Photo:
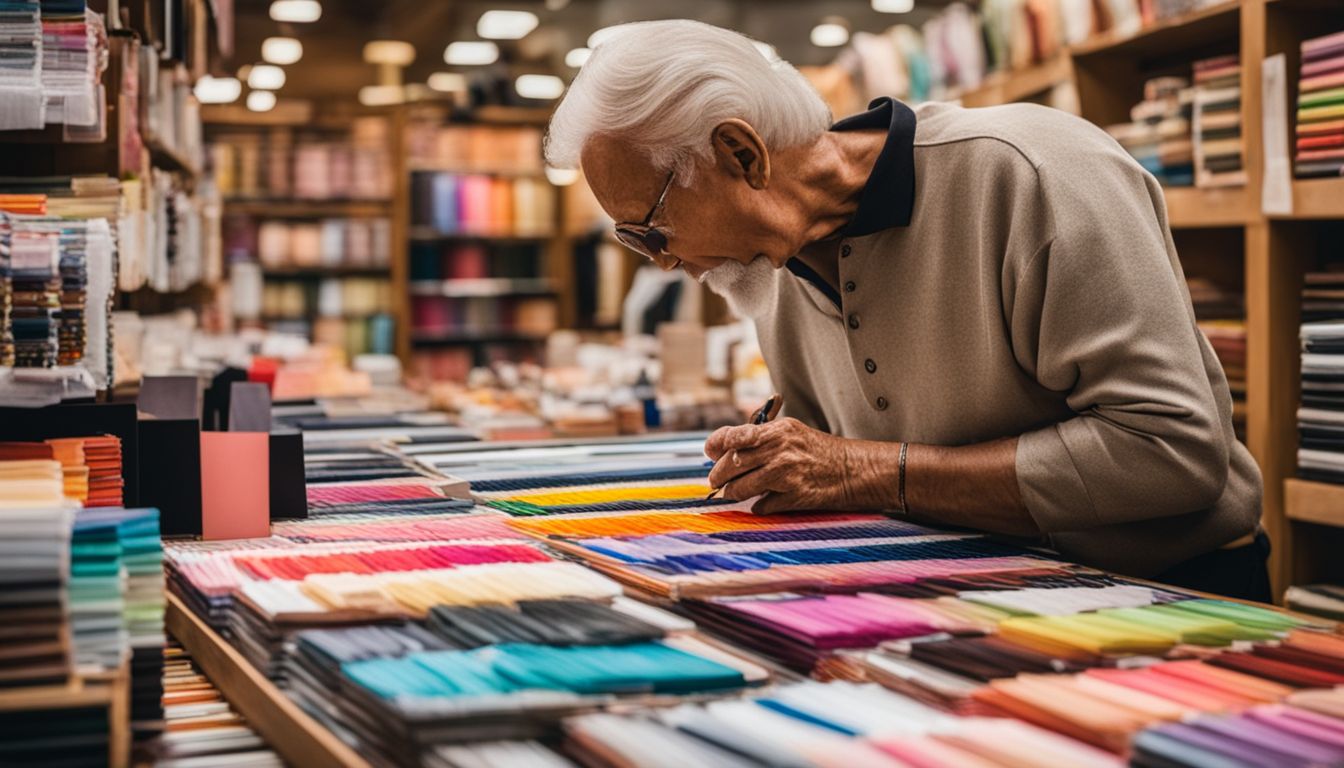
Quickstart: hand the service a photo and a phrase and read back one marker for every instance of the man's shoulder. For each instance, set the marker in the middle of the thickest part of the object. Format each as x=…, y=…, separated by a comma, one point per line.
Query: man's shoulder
x=1030, y=131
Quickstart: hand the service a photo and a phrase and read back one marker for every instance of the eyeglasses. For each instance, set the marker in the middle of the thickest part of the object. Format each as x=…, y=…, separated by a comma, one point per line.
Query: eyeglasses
x=647, y=240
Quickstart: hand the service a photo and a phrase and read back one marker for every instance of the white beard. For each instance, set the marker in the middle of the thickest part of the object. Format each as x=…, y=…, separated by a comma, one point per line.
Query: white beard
x=750, y=289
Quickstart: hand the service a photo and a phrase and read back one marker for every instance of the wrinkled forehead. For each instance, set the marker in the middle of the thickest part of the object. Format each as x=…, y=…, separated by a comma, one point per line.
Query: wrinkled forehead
x=622, y=178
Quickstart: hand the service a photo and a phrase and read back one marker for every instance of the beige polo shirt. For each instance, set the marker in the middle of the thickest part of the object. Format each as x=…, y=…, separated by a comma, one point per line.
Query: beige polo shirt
x=1035, y=293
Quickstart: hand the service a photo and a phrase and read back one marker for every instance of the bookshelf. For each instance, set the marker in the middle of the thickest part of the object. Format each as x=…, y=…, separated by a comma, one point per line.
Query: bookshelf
x=307, y=198
x=1223, y=232
x=110, y=692
x=484, y=261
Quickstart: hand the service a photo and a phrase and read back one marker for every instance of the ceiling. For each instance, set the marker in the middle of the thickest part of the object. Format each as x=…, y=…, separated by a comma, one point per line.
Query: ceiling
x=332, y=67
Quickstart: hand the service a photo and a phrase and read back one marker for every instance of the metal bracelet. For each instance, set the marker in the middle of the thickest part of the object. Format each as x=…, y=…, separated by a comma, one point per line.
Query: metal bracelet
x=900, y=488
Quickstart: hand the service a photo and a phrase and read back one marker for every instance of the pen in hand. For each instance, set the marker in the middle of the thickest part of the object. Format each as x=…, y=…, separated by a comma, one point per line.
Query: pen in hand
x=766, y=413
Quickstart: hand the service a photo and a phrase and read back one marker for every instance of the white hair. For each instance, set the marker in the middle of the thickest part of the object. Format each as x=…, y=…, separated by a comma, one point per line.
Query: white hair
x=664, y=85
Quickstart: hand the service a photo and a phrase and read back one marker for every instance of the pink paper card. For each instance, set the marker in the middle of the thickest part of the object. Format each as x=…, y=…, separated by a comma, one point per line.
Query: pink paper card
x=235, y=485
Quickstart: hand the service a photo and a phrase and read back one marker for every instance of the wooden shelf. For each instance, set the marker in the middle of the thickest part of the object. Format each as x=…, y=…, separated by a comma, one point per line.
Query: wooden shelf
x=309, y=209
x=431, y=235
x=295, y=273
x=1198, y=207
x=110, y=690
x=1317, y=199
x=483, y=288
x=469, y=338
x=164, y=156
x=429, y=166
x=290, y=731
x=1312, y=502
x=1017, y=85
x=1172, y=35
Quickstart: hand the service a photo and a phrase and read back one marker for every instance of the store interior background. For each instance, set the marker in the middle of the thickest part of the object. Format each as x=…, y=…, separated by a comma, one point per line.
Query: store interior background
x=381, y=193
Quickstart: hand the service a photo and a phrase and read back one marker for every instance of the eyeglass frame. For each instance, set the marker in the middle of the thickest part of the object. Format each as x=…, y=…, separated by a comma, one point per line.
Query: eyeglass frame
x=636, y=236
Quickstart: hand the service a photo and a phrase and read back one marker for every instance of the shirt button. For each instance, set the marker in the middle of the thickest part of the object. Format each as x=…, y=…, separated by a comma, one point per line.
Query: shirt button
x=850, y=286
x=881, y=404
x=844, y=250
x=870, y=366
x=854, y=321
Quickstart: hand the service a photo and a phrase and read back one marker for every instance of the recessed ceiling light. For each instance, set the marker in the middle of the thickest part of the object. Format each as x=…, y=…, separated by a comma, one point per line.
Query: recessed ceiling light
x=506, y=25
x=829, y=34
x=539, y=86
x=893, y=6
x=381, y=95
x=578, y=57
x=281, y=50
x=261, y=101
x=562, y=177
x=265, y=77
x=218, y=90
x=396, y=52
x=297, y=11
x=448, y=82
x=471, y=53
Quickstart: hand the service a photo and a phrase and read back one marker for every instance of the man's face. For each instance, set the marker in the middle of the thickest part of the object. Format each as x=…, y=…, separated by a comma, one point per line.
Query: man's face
x=719, y=218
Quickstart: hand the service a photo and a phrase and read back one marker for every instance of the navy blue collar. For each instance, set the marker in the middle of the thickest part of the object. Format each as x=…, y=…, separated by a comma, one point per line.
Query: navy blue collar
x=888, y=199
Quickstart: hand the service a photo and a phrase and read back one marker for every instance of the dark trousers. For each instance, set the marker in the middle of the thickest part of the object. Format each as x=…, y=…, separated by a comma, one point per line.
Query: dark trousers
x=1241, y=572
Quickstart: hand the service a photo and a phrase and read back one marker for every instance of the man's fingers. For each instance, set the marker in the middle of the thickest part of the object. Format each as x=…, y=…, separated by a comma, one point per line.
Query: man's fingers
x=727, y=439
x=771, y=503
x=736, y=463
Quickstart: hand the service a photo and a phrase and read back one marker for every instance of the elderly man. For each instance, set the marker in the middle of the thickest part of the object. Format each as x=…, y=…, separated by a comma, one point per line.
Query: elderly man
x=976, y=317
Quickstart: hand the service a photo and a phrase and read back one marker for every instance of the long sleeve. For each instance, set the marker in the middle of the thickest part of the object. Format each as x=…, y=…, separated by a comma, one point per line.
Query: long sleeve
x=1101, y=313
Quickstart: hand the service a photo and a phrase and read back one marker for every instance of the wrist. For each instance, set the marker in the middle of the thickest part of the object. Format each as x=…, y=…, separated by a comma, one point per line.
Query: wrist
x=873, y=475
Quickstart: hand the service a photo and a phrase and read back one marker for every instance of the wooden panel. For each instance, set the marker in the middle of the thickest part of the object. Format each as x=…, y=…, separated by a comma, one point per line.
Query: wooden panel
x=294, y=735
x=1314, y=502
x=400, y=247
x=1178, y=33
x=1194, y=208
x=1275, y=257
x=1318, y=199
x=1019, y=85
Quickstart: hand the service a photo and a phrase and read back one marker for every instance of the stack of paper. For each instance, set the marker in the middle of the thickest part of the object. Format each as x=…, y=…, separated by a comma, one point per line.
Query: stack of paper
x=1159, y=136
x=21, y=102
x=35, y=526
x=1320, y=420
x=1320, y=108
x=1219, y=151
x=74, y=54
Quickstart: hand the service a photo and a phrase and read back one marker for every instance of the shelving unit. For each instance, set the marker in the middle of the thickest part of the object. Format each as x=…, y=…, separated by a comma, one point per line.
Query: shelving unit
x=110, y=691
x=253, y=201
x=483, y=283
x=1305, y=520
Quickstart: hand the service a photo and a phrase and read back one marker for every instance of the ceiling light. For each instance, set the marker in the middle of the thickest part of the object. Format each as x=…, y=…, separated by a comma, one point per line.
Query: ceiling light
x=767, y=50
x=265, y=77
x=829, y=34
x=602, y=35
x=381, y=95
x=394, y=52
x=578, y=57
x=893, y=6
x=281, y=50
x=539, y=86
x=299, y=11
x=506, y=25
x=218, y=90
x=471, y=53
x=562, y=177
x=261, y=101
x=448, y=82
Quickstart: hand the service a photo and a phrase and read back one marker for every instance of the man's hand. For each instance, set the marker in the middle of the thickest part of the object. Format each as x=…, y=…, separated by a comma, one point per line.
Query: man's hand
x=794, y=467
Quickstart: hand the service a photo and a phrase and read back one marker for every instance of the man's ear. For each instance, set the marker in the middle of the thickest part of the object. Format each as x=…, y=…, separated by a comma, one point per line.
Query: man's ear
x=740, y=152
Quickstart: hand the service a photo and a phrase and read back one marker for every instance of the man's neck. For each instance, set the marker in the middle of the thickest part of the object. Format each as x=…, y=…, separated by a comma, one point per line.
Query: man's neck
x=827, y=179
